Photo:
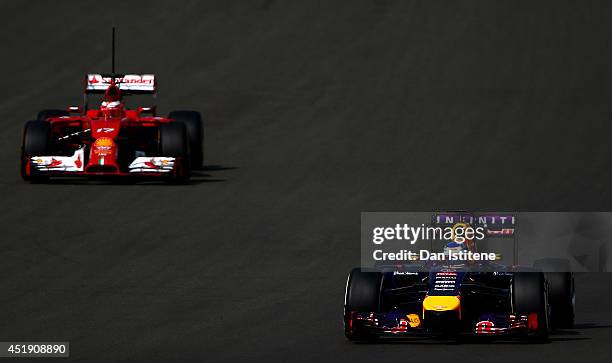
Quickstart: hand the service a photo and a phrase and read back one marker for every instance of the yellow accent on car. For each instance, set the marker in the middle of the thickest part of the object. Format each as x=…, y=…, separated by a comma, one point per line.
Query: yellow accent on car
x=413, y=320
x=441, y=303
x=104, y=141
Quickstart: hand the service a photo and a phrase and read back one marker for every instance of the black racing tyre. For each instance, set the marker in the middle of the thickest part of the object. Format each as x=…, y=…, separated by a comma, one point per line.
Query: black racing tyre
x=362, y=295
x=173, y=142
x=529, y=296
x=35, y=142
x=561, y=293
x=46, y=114
x=195, y=132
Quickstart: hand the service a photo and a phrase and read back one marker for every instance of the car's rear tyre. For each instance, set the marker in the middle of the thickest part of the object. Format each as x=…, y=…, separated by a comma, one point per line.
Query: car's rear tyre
x=529, y=296
x=561, y=293
x=173, y=142
x=195, y=133
x=44, y=115
x=362, y=295
x=35, y=142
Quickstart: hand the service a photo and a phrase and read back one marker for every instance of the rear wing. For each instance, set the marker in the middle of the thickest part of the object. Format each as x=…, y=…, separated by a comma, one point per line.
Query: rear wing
x=501, y=226
x=494, y=224
x=127, y=83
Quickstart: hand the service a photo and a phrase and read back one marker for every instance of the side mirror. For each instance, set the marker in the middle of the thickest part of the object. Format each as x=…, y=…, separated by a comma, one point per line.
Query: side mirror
x=147, y=110
x=75, y=109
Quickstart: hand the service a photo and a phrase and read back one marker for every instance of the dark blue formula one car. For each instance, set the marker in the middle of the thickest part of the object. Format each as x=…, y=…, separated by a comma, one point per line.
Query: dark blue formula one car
x=459, y=299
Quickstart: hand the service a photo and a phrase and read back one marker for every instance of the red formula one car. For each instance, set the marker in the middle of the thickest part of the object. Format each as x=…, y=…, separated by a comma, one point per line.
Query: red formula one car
x=113, y=140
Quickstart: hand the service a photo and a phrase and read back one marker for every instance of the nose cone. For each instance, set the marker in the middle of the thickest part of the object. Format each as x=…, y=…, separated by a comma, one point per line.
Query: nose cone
x=442, y=314
x=441, y=303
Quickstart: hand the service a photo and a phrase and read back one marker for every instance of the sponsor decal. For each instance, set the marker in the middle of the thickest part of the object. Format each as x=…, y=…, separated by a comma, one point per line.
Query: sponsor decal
x=405, y=273
x=501, y=232
x=499, y=224
x=78, y=163
x=103, y=146
x=54, y=163
x=445, y=281
x=413, y=320
x=403, y=324
x=103, y=142
x=484, y=219
x=486, y=324
x=59, y=163
x=152, y=164
x=129, y=79
x=129, y=82
x=485, y=327
x=106, y=130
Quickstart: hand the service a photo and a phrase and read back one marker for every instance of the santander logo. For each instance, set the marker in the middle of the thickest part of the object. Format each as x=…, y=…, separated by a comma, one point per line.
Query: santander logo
x=129, y=79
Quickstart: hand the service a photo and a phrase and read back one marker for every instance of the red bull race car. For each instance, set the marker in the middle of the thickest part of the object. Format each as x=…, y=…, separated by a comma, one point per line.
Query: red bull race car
x=458, y=299
x=113, y=140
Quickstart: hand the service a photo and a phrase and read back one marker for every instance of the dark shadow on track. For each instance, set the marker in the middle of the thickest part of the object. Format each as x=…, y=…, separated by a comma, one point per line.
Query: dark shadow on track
x=591, y=326
x=197, y=177
x=218, y=167
x=471, y=341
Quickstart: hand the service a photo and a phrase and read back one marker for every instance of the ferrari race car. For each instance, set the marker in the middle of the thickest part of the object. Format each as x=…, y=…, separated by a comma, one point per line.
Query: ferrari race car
x=112, y=139
x=457, y=300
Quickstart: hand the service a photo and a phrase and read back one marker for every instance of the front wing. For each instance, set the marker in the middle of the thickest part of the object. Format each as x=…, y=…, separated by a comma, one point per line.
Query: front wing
x=149, y=166
x=396, y=323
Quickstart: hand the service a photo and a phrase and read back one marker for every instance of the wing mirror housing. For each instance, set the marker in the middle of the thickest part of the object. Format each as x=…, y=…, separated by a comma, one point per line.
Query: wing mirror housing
x=75, y=109
x=152, y=110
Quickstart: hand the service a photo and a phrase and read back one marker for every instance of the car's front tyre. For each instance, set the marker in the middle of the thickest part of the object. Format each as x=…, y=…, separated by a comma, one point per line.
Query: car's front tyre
x=362, y=295
x=173, y=142
x=44, y=115
x=195, y=134
x=530, y=298
x=561, y=293
x=35, y=142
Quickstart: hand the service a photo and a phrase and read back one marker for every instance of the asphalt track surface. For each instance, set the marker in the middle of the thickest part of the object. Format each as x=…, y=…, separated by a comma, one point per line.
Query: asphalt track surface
x=315, y=111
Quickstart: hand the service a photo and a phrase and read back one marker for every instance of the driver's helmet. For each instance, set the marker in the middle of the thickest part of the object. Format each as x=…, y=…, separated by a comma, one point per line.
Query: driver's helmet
x=112, y=105
x=459, y=242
